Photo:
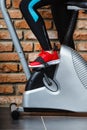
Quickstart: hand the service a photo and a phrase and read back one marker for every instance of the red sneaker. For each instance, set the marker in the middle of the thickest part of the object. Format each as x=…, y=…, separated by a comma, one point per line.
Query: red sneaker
x=45, y=58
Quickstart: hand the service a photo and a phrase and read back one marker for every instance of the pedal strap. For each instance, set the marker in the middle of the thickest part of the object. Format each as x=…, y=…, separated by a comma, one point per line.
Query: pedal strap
x=41, y=60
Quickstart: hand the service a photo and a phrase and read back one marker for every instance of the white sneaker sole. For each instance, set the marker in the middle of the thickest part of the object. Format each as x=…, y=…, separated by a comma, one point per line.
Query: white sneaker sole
x=53, y=62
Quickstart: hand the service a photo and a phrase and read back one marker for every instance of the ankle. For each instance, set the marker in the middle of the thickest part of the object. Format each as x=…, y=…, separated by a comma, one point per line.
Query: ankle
x=50, y=51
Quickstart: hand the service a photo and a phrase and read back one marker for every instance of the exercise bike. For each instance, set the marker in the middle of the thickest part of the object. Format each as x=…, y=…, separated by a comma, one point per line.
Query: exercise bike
x=57, y=87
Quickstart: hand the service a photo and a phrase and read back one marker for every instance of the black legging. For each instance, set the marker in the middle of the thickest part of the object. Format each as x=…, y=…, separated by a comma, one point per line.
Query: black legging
x=61, y=17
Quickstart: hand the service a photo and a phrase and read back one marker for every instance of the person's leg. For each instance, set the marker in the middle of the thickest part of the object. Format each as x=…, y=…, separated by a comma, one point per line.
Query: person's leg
x=35, y=21
x=62, y=18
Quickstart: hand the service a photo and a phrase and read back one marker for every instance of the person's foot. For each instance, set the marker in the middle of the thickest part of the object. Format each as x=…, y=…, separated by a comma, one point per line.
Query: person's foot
x=44, y=59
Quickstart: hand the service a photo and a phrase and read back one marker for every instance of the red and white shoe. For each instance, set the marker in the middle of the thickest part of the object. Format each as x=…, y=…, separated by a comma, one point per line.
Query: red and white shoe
x=44, y=59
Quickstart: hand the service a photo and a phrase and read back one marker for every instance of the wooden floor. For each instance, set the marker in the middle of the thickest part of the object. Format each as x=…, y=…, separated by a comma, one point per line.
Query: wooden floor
x=34, y=121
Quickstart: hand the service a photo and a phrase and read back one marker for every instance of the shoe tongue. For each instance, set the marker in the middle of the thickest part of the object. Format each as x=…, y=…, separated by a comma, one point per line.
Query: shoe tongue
x=42, y=53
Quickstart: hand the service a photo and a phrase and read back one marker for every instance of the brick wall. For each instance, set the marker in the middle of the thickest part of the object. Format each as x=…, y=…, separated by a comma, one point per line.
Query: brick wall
x=12, y=78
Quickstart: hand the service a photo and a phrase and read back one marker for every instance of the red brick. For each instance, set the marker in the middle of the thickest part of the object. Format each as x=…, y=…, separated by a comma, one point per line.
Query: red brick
x=37, y=46
x=46, y=14
x=8, y=67
x=27, y=46
x=21, y=24
x=6, y=89
x=1, y=14
x=12, y=78
x=20, y=68
x=6, y=46
x=48, y=24
x=16, y=3
x=10, y=99
x=32, y=56
x=15, y=13
x=5, y=35
x=20, y=89
x=80, y=35
x=9, y=57
x=82, y=15
x=52, y=34
x=2, y=24
x=28, y=35
x=8, y=3
x=82, y=24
